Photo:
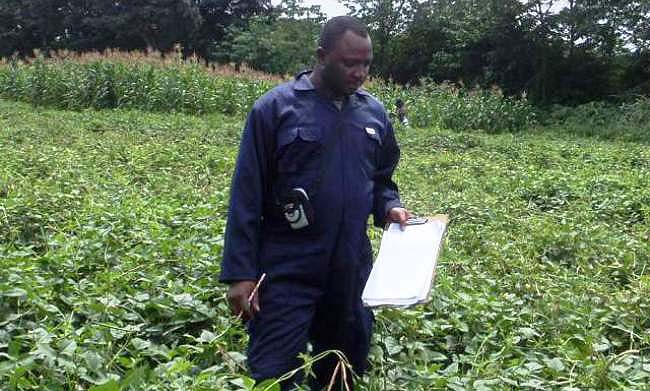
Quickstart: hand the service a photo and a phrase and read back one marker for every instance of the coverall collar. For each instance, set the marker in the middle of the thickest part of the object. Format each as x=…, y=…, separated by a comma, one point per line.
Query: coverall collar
x=303, y=83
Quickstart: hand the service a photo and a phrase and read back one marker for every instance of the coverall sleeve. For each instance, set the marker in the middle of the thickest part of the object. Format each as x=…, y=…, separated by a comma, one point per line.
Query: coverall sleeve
x=386, y=195
x=247, y=192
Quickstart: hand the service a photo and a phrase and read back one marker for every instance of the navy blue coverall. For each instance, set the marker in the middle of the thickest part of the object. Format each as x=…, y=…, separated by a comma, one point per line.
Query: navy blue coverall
x=315, y=275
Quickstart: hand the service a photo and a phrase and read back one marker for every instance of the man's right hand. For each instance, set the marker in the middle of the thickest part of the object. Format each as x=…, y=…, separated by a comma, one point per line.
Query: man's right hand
x=238, y=296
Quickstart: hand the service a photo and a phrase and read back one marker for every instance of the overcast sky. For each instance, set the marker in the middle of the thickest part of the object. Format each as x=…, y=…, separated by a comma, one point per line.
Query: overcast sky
x=334, y=8
x=331, y=8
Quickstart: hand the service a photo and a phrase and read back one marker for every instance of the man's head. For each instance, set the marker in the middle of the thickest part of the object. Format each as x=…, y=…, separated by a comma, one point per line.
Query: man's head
x=344, y=55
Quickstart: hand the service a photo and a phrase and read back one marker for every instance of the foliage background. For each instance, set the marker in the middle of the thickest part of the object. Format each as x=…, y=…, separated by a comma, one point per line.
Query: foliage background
x=116, y=169
x=112, y=211
x=111, y=232
x=567, y=52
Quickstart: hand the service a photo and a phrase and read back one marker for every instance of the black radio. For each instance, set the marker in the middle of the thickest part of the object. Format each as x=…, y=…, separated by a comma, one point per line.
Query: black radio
x=297, y=208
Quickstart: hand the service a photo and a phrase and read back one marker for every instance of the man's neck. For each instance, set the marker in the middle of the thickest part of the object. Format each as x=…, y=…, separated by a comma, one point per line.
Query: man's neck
x=316, y=78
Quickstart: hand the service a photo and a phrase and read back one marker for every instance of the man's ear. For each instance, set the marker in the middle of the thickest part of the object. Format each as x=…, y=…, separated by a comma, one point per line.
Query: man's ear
x=321, y=54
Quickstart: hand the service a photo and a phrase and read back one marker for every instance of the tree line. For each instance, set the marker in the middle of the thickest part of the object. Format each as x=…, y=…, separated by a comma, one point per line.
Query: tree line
x=553, y=51
x=84, y=25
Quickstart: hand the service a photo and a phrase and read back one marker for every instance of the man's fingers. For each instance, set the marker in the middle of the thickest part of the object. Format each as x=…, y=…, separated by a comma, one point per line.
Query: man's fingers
x=244, y=309
x=256, y=302
x=233, y=303
x=403, y=217
x=248, y=311
x=399, y=215
x=238, y=296
x=237, y=309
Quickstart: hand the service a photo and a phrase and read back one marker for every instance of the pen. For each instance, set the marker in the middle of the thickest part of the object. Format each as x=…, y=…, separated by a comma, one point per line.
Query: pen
x=256, y=288
x=252, y=295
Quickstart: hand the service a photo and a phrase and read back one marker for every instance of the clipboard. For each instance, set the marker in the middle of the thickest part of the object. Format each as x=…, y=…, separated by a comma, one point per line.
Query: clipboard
x=405, y=269
x=417, y=220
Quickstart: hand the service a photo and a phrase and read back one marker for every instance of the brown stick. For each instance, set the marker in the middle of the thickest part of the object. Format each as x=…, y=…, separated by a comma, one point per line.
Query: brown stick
x=344, y=369
x=336, y=370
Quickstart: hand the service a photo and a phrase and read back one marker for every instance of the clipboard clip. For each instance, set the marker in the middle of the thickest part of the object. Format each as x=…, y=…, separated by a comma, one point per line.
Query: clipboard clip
x=416, y=221
x=411, y=221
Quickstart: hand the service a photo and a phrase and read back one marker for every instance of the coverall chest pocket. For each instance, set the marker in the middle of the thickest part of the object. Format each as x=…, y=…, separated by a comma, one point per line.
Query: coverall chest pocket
x=299, y=149
x=369, y=147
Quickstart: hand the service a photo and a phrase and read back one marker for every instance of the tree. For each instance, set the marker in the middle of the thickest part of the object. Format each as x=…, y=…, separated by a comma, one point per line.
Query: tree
x=30, y=24
x=10, y=28
x=413, y=50
x=386, y=19
x=157, y=24
x=633, y=21
x=487, y=43
x=124, y=24
x=579, y=49
x=281, y=42
x=219, y=15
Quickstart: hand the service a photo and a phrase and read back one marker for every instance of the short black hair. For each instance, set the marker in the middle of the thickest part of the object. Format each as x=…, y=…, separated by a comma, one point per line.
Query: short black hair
x=334, y=29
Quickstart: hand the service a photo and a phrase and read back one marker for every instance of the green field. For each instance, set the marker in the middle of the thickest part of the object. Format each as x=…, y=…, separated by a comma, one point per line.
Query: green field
x=111, y=231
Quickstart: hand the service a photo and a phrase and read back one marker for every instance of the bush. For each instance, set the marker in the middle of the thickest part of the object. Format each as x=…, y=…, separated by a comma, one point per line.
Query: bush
x=628, y=121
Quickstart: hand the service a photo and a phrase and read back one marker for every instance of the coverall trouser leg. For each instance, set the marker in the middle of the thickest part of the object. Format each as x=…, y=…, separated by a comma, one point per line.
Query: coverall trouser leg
x=327, y=312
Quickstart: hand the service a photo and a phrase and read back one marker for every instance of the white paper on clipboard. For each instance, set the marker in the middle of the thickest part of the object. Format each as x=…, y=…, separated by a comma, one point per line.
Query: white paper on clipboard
x=405, y=267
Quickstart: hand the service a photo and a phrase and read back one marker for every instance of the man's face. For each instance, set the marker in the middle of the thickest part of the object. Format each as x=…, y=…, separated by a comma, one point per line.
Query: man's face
x=345, y=67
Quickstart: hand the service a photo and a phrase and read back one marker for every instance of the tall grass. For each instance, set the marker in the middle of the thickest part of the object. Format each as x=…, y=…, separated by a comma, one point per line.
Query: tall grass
x=452, y=107
x=629, y=121
x=150, y=82
x=153, y=81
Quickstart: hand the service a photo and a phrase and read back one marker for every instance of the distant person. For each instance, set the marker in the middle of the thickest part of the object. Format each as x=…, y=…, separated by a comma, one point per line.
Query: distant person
x=400, y=112
x=316, y=158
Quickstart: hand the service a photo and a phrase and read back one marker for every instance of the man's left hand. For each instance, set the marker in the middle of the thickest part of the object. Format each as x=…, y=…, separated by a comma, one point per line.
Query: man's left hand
x=399, y=215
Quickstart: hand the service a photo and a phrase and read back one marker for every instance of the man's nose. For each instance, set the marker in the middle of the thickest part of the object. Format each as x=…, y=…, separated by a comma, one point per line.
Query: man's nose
x=360, y=71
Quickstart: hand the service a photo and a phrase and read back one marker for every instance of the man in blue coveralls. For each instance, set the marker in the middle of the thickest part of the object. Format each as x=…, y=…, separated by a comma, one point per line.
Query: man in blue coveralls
x=316, y=159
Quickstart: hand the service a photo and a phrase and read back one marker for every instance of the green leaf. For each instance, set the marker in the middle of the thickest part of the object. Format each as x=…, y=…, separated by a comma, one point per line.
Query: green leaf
x=110, y=385
x=69, y=349
x=533, y=366
x=451, y=369
x=392, y=345
x=207, y=336
x=134, y=377
x=436, y=356
x=555, y=364
x=15, y=292
x=527, y=332
x=140, y=344
x=267, y=385
x=45, y=351
x=93, y=360
x=237, y=356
